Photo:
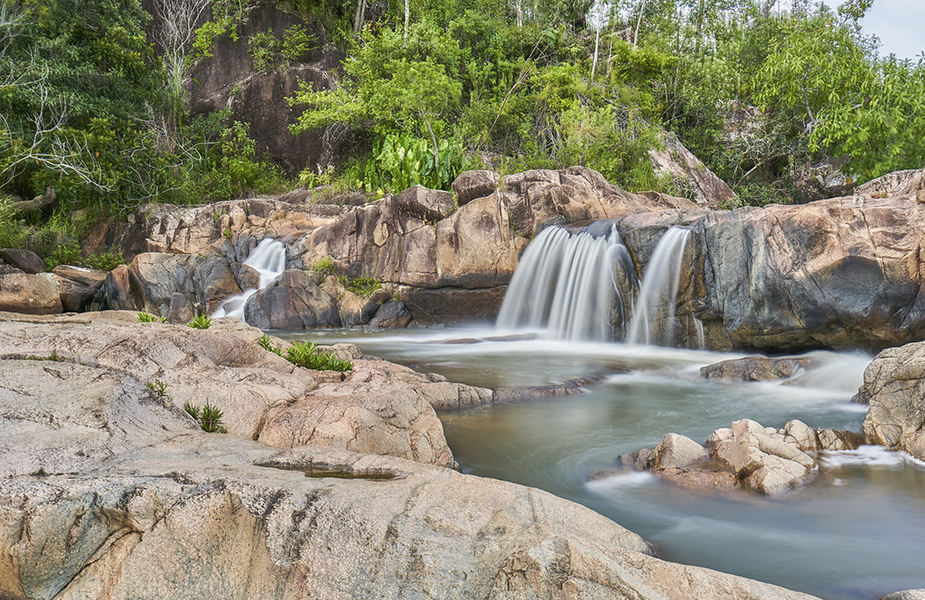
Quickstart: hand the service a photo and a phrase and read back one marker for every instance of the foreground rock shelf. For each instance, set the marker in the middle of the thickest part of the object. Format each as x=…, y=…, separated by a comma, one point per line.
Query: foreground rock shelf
x=108, y=490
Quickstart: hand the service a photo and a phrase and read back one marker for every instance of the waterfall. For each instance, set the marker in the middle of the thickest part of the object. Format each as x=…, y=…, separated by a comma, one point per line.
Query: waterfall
x=269, y=259
x=570, y=286
x=653, y=317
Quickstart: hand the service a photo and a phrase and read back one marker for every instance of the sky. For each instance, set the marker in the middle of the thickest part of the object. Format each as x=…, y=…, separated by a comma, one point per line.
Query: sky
x=900, y=25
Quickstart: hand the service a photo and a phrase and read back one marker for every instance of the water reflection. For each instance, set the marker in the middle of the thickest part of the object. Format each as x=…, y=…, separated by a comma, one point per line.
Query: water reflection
x=855, y=532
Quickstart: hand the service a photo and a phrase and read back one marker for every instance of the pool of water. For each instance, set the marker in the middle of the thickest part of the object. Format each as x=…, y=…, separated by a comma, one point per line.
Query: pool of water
x=857, y=531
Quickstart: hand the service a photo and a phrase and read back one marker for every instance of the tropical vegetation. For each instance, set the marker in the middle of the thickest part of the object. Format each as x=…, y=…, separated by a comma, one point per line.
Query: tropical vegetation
x=93, y=110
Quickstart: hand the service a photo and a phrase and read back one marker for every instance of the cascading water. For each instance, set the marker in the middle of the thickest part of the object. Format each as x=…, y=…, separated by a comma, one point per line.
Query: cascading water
x=269, y=259
x=570, y=286
x=652, y=321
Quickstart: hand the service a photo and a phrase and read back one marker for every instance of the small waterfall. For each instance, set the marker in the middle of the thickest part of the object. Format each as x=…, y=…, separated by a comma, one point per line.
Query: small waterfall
x=570, y=285
x=653, y=317
x=269, y=259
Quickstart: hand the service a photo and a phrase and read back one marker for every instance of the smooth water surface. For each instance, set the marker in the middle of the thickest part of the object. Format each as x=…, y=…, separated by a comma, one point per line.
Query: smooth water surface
x=857, y=531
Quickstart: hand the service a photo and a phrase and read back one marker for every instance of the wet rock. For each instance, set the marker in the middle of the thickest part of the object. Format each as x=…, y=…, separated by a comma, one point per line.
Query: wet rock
x=453, y=305
x=523, y=394
x=177, y=287
x=391, y=315
x=758, y=368
x=895, y=383
x=905, y=595
x=26, y=261
x=770, y=461
x=292, y=301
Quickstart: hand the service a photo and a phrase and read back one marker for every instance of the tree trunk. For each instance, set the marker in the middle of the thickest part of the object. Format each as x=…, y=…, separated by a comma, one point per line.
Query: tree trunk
x=520, y=14
x=359, y=17
x=407, y=15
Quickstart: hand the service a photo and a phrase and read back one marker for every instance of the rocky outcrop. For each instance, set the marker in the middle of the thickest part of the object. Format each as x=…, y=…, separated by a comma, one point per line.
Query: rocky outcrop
x=894, y=385
x=177, y=287
x=687, y=172
x=79, y=287
x=770, y=461
x=824, y=179
x=261, y=395
x=837, y=273
x=108, y=491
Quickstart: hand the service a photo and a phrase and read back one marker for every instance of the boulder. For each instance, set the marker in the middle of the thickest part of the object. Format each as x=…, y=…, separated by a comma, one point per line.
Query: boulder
x=391, y=315
x=770, y=461
x=895, y=383
x=905, y=595
x=425, y=204
x=824, y=179
x=897, y=183
x=30, y=294
x=470, y=185
x=26, y=261
x=292, y=301
x=109, y=492
x=177, y=287
x=453, y=305
x=79, y=287
x=688, y=173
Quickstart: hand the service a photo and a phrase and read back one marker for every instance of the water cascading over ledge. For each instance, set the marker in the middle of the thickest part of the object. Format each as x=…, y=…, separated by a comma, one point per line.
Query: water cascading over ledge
x=269, y=260
x=574, y=287
x=583, y=287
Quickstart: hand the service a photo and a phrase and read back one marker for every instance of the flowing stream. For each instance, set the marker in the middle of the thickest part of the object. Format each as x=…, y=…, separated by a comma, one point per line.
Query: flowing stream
x=269, y=259
x=857, y=531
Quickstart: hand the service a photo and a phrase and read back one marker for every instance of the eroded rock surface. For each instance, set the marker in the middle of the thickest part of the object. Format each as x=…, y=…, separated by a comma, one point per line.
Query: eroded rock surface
x=111, y=493
x=894, y=386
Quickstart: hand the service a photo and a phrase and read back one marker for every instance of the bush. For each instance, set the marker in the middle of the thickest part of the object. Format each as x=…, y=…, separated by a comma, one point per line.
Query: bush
x=303, y=354
x=200, y=322
x=208, y=417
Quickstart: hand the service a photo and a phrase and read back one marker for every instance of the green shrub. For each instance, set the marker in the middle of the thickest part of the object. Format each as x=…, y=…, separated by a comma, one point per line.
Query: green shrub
x=107, y=260
x=159, y=388
x=146, y=317
x=267, y=344
x=364, y=286
x=200, y=322
x=323, y=265
x=303, y=354
x=208, y=417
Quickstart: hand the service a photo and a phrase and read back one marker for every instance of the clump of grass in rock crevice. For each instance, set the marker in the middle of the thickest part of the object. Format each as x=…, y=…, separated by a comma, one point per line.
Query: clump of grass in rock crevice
x=306, y=355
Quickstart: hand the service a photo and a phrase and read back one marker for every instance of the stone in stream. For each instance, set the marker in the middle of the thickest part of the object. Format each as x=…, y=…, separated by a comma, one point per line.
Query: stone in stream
x=894, y=386
x=770, y=461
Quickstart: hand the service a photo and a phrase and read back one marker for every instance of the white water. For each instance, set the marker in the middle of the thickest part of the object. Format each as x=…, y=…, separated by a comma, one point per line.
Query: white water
x=567, y=286
x=269, y=259
x=652, y=321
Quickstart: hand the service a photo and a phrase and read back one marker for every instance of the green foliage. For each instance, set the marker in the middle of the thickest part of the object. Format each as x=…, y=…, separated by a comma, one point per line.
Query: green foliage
x=209, y=31
x=159, y=388
x=303, y=354
x=200, y=322
x=399, y=161
x=52, y=356
x=267, y=344
x=323, y=265
x=106, y=260
x=364, y=286
x=208, y=417
x=146, y=317
x=271, y=52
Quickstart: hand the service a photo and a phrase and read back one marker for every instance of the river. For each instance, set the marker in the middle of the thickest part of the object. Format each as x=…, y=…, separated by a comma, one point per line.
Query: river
x=857, y=531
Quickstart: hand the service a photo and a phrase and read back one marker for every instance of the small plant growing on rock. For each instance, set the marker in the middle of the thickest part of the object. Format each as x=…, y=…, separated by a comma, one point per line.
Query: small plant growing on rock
x=208, y=417
x=52, y=357
x=324, y=265
x=303, y=354
x=146, y=317
x=200, y=322
x=267, y=344
x=364, y=286
x=159, y=388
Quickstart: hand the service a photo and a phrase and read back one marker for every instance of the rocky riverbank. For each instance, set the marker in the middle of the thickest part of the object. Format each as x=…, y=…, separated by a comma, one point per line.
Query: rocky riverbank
x=110, y=490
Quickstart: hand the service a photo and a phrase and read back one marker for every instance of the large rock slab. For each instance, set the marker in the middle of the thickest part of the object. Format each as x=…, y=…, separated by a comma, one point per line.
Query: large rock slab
x=112, y=495
x=894, y=384
x=261, y=395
